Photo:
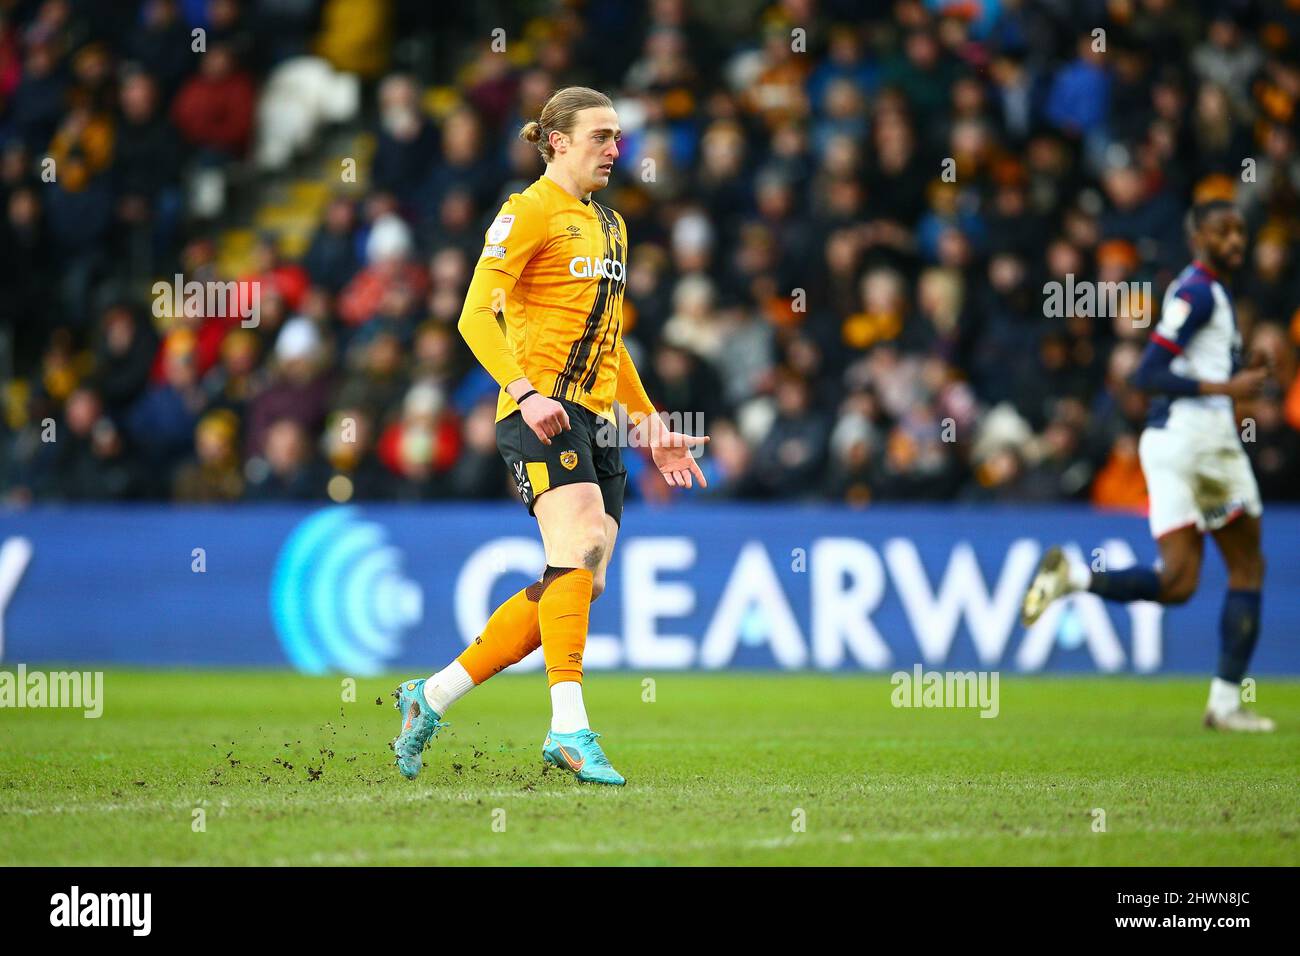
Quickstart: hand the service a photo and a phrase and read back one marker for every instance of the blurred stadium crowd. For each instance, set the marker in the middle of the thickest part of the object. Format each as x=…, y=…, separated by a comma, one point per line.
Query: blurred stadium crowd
x=849, y=325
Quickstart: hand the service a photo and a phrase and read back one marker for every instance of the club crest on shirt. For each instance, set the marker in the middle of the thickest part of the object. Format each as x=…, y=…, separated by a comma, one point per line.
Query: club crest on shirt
x=499, y=229
x=569, y=459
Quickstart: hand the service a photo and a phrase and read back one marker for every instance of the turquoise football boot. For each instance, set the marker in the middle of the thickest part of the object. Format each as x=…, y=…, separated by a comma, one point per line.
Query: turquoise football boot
x=580, y=753
x=419, y=725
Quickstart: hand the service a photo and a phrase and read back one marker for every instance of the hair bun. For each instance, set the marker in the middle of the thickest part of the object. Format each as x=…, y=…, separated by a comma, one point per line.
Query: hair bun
x=559, y=114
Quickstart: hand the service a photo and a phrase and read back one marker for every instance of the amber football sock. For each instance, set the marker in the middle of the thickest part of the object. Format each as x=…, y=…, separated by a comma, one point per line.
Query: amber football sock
x=510, y=635
x=563, y=611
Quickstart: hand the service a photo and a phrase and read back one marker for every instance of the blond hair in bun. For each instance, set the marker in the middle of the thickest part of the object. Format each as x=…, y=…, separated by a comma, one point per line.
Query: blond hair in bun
x=558, y=116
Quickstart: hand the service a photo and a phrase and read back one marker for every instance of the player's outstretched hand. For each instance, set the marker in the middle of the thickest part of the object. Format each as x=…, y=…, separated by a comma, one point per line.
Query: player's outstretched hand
x=671, y=452
x=545, y=416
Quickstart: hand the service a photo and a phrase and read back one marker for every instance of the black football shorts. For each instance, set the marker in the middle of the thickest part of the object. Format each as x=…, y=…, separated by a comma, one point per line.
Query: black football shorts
x=588, y=451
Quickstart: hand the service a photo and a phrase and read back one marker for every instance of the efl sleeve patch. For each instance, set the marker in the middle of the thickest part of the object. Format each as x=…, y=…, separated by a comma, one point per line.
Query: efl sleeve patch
x=523, y=219
x=499, y=229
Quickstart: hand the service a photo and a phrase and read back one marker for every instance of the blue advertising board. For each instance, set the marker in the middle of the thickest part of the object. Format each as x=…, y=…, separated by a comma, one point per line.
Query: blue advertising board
x=359, y=590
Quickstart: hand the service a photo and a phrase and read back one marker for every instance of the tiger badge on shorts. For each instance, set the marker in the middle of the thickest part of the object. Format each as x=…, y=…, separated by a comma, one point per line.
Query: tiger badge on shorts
x=569, y=459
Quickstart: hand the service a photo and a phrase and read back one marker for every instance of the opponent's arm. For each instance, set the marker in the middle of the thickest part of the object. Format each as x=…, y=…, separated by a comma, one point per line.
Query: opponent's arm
x=1154, y=375
x=1186, y=314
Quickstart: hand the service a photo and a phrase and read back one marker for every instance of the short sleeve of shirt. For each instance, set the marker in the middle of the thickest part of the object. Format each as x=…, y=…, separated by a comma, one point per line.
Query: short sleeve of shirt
x=514, y=237
x=1187, y=313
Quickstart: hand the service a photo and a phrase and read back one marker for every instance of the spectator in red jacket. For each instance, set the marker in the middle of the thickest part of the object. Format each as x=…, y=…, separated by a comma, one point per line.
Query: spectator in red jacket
x=423, y=445
x=391, y=274
x=289, y=279
x=214, y=108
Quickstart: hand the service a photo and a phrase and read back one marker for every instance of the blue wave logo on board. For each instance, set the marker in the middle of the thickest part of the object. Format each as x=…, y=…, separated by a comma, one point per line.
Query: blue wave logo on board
x=339, y=599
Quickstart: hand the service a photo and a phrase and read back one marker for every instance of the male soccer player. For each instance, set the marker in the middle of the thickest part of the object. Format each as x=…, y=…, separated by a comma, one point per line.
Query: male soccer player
x=553, y=265
x=1198, y=476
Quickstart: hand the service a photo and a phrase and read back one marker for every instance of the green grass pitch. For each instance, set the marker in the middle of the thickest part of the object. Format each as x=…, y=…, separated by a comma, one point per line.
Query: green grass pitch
x=718, y=766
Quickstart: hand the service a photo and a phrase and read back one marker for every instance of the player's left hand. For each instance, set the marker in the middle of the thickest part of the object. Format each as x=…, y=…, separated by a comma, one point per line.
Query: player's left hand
x=671, y=452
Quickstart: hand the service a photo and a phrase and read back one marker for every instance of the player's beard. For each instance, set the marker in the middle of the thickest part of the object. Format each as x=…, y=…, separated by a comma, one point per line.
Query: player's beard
x=1223, y=267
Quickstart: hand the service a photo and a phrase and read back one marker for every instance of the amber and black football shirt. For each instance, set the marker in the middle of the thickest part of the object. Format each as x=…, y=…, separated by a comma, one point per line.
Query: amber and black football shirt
x=563, y=317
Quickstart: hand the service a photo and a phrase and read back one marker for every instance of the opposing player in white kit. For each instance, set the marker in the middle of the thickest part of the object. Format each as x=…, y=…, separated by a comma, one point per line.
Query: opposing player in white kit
x=1198, y=476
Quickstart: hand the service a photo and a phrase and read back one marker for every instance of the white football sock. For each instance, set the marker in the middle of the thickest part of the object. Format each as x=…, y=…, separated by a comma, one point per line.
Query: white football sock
x=1225, y=697
x=1079, y=575
x=567, y=712
x=446, y=687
